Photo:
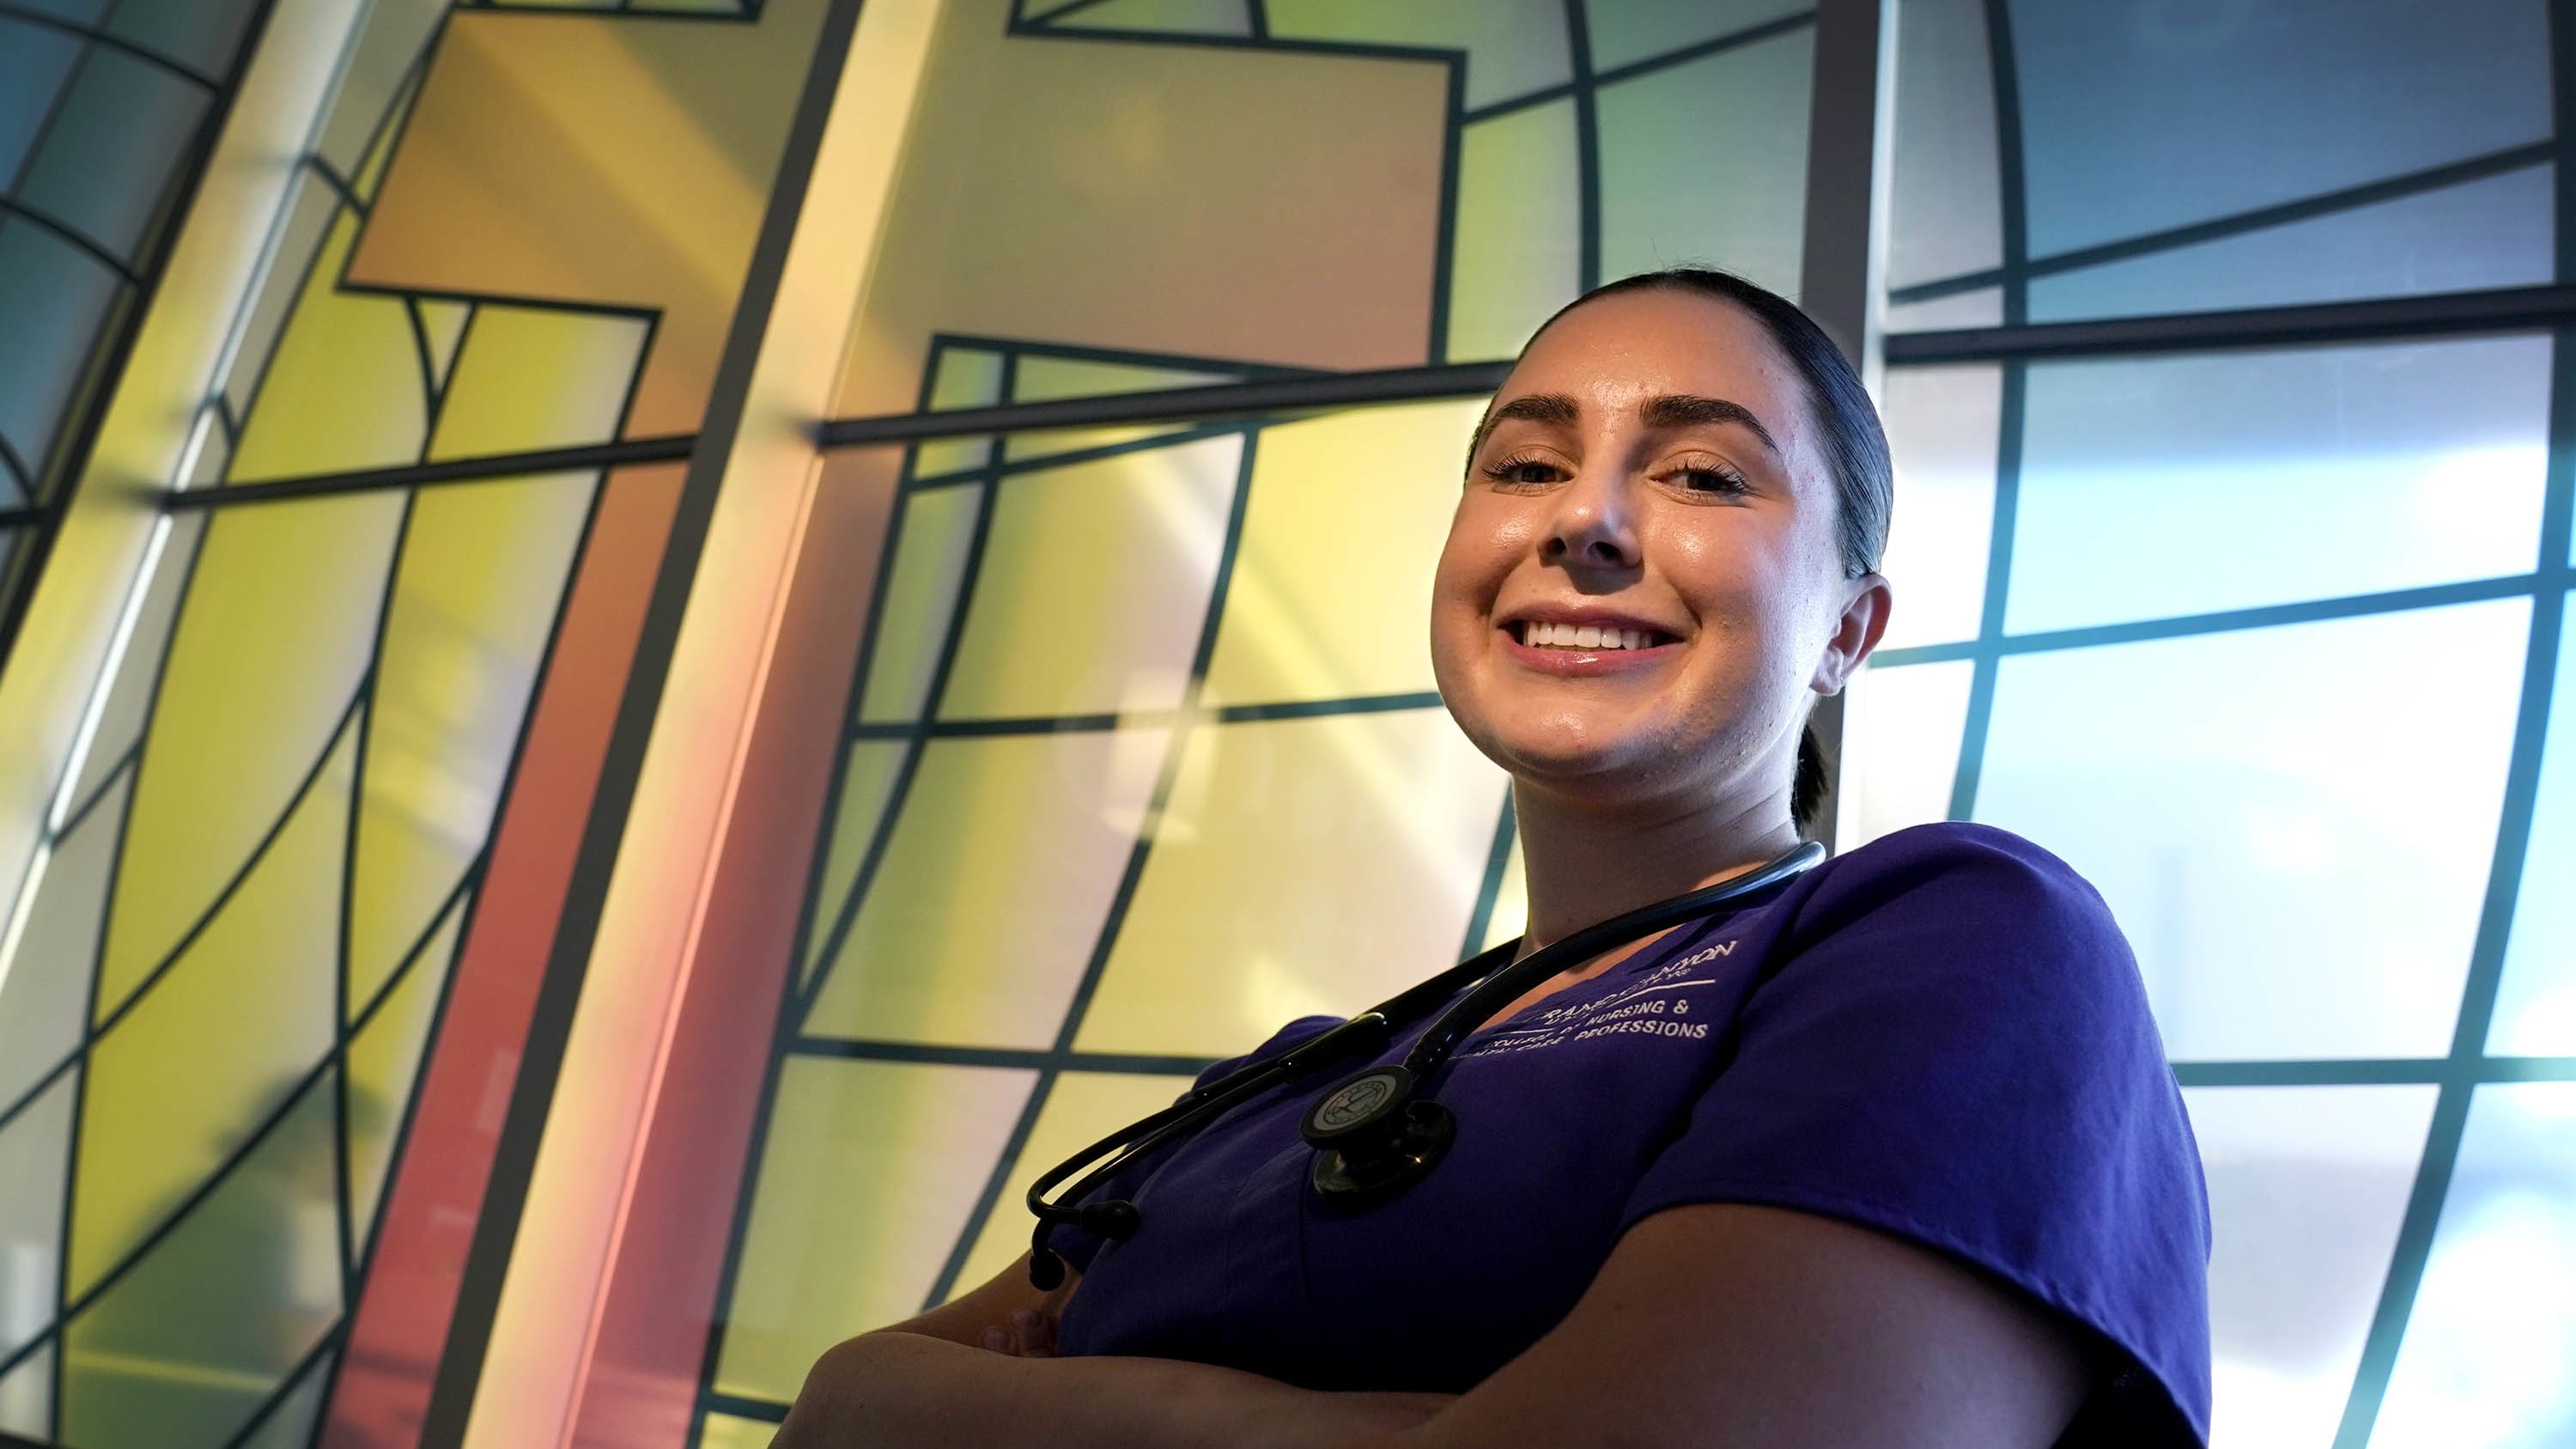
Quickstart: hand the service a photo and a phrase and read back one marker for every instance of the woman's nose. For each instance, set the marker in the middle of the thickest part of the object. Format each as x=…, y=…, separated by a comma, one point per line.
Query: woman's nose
x=1592, y=527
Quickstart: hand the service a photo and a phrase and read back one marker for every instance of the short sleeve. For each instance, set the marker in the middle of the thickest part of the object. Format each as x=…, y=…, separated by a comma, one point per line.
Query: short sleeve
x=1078, y=1247
x=1952, y=1045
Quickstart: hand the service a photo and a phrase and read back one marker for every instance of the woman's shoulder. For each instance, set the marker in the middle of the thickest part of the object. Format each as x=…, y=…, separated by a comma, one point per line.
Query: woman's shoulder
x=1962, y=864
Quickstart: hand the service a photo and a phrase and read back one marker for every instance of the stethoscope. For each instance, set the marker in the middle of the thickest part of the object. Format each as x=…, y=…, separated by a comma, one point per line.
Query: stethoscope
x=1373, y=1135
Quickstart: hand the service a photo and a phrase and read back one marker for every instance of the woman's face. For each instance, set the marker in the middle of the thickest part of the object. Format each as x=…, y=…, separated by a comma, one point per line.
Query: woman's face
x=1643, y=580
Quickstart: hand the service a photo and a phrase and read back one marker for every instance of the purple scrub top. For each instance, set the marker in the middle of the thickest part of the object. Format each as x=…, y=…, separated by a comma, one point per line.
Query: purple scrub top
x=1940, y=1035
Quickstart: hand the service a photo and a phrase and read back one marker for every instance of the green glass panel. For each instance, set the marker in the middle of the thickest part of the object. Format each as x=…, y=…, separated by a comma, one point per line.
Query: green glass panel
x=185, y=1347
x=1513, y=46
x=290, y=1424
x=1627, y=31
x=1707, y=162
x=968, y=377
x=937, y=527
x=724, y=1431
x=113, y=149
x=201, y=34
x=27, y=1396
x=1176, y=17
x=1094, y=586
x=34, y=62
x=1517, y=255
x=866, y=781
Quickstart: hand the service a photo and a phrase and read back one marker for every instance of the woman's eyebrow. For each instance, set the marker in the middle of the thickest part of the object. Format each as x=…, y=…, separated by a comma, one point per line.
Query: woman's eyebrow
x=1683, y=410
x=1554, y=408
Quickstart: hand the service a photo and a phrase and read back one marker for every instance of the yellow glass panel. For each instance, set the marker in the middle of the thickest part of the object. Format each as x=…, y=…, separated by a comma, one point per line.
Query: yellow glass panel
x=216, y=1043
x=1304, y=866
x=937, y=527
x=443, y=323
x=129, y=695
x=1094, y=586
x=1511, y=903
x=724, y=1431
x=1038, y=379
x=993, y=889
x=967, y=378
x=1901, y=733
x=45, y=991
x=1083, y=1108
x=532, y=377
x=1517, y=253
x=1184, y=17
x=276, y=632
x=869, y=1173
x=1049, y=442
x=384, y=1062
x=343, y=389
x=473, y=604
x=184, y=1348
x=868, y=777
x=1317, y=608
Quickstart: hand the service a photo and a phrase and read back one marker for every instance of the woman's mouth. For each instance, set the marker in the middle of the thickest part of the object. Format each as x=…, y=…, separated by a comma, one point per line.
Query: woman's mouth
x=1583, y=650
x=1539, y=634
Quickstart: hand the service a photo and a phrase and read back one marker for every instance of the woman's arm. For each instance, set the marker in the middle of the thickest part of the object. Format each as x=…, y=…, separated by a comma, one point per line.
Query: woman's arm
x=1715, y=1326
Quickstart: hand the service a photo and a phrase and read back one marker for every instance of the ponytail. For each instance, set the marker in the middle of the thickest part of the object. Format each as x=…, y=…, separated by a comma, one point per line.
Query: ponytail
x=1807, y=790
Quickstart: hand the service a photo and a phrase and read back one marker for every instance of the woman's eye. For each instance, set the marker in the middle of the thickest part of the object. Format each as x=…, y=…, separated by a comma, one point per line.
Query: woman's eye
x=1708, y=480
x=1525, y=471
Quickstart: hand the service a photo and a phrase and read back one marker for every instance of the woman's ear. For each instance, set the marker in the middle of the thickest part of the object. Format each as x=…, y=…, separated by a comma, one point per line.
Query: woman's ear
x=1866, y=601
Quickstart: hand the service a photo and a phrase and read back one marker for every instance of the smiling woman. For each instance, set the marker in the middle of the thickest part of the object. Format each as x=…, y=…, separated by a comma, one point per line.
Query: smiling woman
x=1880, y=1153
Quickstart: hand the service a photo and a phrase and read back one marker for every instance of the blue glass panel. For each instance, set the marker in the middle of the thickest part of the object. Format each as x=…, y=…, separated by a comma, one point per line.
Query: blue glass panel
x=2187, y=485
x=2535, y=1013
x=53, y=300
x=113, y=148
x=34, y=59
x=78, y=11
x=1945, y=208
x=2293, y=833
x=2140, y=115
x=2485, y=1362
x=199, y=34
x=1625, y=31
x=2491, y=233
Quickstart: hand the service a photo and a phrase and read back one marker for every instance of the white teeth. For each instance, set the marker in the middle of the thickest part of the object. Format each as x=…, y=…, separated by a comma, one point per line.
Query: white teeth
x=1587, y=637
x=1542, y=635
x=1631, y=639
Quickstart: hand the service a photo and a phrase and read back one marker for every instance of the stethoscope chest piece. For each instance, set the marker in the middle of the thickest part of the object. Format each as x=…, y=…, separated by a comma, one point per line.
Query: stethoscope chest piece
x=1372, y=1139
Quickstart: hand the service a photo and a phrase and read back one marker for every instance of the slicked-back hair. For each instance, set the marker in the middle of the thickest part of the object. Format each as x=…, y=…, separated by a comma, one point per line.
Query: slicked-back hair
x=1853, y=442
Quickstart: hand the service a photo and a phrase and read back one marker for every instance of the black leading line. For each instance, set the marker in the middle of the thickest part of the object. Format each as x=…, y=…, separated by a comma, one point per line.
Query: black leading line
x=1380, y=1131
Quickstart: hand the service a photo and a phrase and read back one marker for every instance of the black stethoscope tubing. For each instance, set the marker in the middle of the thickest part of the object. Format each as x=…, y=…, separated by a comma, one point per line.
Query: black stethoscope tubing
x=1387, y=1102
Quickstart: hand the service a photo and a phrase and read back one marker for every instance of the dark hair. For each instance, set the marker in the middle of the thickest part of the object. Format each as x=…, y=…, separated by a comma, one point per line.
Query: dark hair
x=1855, y=447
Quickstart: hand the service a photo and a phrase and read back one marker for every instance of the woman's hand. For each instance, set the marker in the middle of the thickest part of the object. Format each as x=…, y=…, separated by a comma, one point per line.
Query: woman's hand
x=1027, y=1333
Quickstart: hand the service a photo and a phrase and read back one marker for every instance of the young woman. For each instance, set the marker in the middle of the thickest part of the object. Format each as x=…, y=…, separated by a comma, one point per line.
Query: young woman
x=1887, y=1157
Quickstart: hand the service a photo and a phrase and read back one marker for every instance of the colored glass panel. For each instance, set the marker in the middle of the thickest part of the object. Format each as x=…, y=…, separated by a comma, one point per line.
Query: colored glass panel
x=35, y=1152
x=2535, y=1010
x=1332, y=581
x=835, y=1245
x=868, y=774
x=530, y=378
x=289, y=1424
x=1512, y=47
x=1081, y=1108
x=1516, y=252
x=999, y=873
x=383, y=1061
x=467, y=621
x=2163, y=486
x=277, y=634
x=113, y=149
x=966, y=377
x=1900, y=752
x=1038, y=377
x=1301, y=866
x=129, y=691
x=34, y=62
x=197, y=33
x=1624, y=32
x=309, y=222
x=724, y=1431
x=1943, y=424
x=2485, y=1357
x=2491, y=233
x=1094, y=584
x=1511, y=903
x=27, y=1395
x=2230, y=795
x=54, y=301
x=934, y=538
x=1707, y=162
x=181, y=1350
x=246, y=1007
x=44, y=993
x=1945, y=206
x=2307, y=1186
x=2137, y=117
x=1164, y=17
x=343, y=388
x=1981, y=307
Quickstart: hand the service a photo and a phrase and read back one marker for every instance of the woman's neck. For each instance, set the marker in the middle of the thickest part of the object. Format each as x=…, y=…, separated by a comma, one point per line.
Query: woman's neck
x=1587, y=863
